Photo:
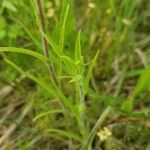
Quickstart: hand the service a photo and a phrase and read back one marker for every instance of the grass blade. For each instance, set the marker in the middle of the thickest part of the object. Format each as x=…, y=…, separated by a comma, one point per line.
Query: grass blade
x=52, y=44
x=62, y=35
x=143, y=83
x=24, y=51
x=35, y=41
x=78, y=47
x=89, y=73
x=47, y=113
x=52, y=90
x=65, y=133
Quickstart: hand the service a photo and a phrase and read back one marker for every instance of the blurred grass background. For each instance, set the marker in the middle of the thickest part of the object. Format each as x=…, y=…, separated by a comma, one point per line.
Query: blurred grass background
x=120, y=29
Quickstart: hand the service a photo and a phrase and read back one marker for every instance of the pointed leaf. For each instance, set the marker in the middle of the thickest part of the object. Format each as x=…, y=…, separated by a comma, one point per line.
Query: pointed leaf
x=62, y=35
x=78, y=48
x=89, y=74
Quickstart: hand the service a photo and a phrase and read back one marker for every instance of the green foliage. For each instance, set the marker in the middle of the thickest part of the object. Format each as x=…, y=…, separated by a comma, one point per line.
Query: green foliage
x=127, y=105
x=64, y=133
x=89, y=73
x=142, y=86
x=46, y=113
x=143, y=83
x=91, y=52
x=25, y=51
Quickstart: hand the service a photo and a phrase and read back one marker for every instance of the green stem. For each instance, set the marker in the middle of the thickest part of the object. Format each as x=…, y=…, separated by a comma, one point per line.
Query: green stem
x=95, y=128
x=42, y=28
x=80, y=104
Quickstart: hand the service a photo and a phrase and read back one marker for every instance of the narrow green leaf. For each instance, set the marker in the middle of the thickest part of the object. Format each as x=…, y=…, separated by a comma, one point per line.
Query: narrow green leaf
x=69, y=64
x=79, y=62
x=80, y=66
x=78, y=47
x=24, y=51
x=52, y=90
x=29, y=34
x=65, y=133
x=47, y=113
x=76, y=78
x=62, y=35
x=52, y=44
x=143, y=83
x=89, y=73
x=30, y=76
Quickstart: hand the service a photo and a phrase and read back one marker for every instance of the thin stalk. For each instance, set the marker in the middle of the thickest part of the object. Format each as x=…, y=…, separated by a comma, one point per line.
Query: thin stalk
x=96, y=126
x=105, y=113
x=80, y=104
x=82, y=114
x=45, y=47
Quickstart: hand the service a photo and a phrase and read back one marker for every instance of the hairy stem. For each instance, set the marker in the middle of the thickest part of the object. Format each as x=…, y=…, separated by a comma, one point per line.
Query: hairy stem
x=42, y=28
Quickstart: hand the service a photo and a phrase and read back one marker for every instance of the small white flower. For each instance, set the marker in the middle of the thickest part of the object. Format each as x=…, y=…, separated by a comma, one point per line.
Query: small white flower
x=91, y=5
x=104, y=134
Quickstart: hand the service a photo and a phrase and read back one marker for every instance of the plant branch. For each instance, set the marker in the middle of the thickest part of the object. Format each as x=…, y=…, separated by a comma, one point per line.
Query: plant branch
x=42, y=28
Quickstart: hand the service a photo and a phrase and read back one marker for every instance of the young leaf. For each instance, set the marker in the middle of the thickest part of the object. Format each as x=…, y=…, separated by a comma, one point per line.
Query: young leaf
x=69, y=64
x=89, y=73
x=79, y=62
x=78, y=47
x=62, y=35
x=80, y=67
x=76, y=78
